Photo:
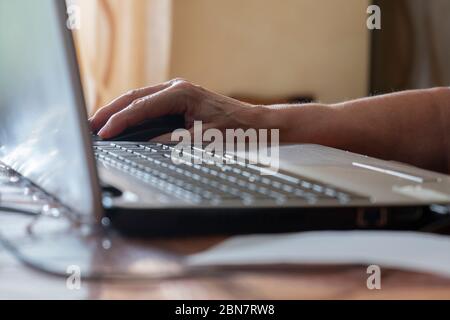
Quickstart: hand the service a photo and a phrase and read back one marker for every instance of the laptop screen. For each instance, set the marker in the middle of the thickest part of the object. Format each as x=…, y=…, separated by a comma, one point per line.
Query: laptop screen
x=42, y=131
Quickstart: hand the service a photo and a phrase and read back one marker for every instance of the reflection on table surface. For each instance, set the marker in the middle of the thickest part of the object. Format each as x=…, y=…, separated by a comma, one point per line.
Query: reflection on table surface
x=150, y=256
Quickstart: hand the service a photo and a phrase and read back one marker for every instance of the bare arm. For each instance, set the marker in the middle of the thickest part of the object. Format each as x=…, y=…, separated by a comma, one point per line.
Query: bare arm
x=411, y=126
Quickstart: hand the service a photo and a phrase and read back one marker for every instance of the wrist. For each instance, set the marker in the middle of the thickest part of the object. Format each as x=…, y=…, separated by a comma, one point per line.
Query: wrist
x=257, y=117
x=307, y=123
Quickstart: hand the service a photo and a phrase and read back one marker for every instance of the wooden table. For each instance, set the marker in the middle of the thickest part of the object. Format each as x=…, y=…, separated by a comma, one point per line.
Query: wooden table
x=20, y=282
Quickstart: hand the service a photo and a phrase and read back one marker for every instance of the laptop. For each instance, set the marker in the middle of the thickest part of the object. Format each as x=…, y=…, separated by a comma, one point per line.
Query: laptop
x=136, y=187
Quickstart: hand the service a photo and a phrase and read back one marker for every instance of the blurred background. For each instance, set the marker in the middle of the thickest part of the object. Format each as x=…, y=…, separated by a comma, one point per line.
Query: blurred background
x=413, y=48
x=263, y=51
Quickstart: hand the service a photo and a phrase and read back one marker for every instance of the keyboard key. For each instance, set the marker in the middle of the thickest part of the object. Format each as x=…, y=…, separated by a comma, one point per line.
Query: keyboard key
x=212, y=181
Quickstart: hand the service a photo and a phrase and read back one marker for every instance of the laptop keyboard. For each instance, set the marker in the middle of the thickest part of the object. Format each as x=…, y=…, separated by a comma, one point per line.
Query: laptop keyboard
x=213, y=182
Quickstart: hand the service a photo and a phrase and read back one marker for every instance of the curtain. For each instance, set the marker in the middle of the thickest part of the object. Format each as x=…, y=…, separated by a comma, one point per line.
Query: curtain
x=122, y=45
x=411, y=51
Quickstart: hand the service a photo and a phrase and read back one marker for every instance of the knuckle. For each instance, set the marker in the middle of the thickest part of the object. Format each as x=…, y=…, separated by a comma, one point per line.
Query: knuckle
x=137, y=102
x=199, y=88
x=180, y=83
x=132, y=94
x=134, y=103
x=178, y=79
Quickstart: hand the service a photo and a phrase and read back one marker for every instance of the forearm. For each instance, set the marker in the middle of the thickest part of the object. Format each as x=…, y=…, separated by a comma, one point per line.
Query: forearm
x=412, y=126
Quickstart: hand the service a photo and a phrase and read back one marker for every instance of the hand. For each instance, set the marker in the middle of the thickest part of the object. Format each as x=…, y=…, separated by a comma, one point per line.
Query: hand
x=176, y=97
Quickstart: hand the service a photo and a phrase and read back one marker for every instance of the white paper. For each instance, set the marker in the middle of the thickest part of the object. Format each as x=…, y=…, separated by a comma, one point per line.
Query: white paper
x=408, y=251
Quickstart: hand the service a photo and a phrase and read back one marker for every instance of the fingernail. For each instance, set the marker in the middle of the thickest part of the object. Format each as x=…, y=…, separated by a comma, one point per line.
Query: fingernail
x=103, y=133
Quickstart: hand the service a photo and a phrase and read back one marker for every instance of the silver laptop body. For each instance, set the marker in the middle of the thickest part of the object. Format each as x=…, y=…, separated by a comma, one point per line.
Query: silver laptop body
x=45, y=138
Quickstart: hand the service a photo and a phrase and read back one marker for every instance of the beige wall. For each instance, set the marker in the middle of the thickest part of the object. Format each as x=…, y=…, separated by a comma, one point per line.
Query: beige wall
x=260, y=48
x=273, y=48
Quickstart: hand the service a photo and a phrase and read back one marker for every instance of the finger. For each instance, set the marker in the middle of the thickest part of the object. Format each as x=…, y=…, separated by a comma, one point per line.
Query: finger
x=104, y=114
x=149, y=107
